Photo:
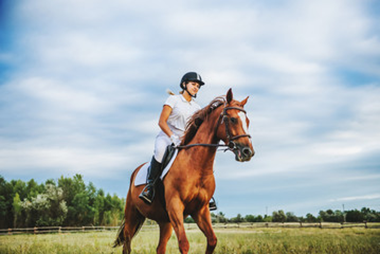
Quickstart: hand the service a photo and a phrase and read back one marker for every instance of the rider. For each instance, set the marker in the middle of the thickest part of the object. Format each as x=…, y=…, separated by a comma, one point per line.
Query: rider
x=176, y=111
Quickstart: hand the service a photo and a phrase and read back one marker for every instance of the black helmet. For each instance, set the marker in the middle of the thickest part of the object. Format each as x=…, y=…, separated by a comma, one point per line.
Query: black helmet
x=191, y=76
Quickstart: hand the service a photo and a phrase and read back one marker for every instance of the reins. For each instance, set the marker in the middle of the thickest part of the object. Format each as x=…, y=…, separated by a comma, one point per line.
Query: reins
x=222, y=118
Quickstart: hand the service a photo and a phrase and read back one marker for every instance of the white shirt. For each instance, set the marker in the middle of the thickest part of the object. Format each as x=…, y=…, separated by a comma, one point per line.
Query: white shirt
x=182, y=110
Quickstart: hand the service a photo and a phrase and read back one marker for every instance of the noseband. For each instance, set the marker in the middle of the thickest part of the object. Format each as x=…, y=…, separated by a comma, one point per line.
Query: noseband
x=223, y=118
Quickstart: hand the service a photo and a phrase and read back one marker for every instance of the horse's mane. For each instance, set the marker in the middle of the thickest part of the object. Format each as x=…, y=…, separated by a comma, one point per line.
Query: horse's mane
x=198, y=118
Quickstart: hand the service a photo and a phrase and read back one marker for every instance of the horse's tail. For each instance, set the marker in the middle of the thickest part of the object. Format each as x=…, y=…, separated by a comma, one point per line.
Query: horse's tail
x=124, y=236
x=120, y=238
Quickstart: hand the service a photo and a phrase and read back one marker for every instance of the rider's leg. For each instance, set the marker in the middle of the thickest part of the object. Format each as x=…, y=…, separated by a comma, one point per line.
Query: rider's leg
x=155, y=169
x=154, y=173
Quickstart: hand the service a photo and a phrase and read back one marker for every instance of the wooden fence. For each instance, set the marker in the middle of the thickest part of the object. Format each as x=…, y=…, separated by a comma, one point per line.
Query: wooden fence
x=189, y=226
x=55, y=229
x=332, y=225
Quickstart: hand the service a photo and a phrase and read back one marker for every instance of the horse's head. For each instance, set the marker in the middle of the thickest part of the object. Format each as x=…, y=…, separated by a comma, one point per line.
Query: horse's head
x=235, y=134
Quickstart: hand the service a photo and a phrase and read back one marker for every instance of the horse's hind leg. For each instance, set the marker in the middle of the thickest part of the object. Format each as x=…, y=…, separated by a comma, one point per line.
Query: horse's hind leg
x=133, y=222
x=165, y=233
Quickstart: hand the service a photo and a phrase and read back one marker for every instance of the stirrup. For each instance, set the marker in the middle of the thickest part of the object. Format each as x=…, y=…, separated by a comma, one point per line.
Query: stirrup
x=212, y=204
x=145, y=198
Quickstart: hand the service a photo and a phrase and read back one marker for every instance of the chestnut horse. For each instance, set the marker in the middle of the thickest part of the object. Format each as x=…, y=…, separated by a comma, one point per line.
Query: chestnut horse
x=190, y=182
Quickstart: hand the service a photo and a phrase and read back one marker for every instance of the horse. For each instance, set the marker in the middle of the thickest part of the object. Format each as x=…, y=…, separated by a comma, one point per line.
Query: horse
x=190, y=183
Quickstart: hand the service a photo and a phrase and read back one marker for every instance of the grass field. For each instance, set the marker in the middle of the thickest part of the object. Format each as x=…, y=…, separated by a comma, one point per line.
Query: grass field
x=239, y=241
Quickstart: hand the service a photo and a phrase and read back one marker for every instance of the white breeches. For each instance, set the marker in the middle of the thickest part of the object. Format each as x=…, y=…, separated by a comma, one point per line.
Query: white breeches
x=162, y=141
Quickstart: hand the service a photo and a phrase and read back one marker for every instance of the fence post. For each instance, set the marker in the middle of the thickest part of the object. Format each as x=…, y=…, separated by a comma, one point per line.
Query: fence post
x=35, y=230
x=320, y=224
x=59, y=230
x=9, y=231
x=365, y=224
x=83, y=228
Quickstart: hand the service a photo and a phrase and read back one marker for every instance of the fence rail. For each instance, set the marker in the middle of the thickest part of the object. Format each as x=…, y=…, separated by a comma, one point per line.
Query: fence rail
x=56, y=229
x=190, y=226
x=331, y=225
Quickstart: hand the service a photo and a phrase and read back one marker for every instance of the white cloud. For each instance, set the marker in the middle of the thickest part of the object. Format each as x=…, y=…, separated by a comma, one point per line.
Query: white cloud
x=354, y=198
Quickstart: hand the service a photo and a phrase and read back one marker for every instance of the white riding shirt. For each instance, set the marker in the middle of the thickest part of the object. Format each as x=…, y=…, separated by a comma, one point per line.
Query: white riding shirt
x=182, y=110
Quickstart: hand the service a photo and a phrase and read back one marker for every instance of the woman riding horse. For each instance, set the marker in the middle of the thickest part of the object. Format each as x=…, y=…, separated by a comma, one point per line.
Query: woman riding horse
x=176, y=112
x=190, y=182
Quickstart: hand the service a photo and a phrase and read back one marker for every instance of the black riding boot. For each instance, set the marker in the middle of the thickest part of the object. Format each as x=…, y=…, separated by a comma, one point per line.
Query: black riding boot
x=154, y=171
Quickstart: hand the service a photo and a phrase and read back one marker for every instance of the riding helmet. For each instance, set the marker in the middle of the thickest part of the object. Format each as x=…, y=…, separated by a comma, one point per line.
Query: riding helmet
x=191, y=76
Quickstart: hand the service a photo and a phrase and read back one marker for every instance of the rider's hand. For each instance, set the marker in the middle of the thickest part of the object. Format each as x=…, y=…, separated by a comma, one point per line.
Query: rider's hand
x=175, y=140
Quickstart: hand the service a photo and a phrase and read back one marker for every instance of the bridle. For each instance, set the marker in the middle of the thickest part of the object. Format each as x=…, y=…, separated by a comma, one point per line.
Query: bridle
x=226, y=120
x=223, y=118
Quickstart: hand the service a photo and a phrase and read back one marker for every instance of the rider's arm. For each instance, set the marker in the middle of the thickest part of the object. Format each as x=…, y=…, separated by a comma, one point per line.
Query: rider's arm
x=166, y=111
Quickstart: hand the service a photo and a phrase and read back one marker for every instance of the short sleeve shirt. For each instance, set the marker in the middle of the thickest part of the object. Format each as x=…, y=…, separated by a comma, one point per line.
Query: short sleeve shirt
x=182, y=110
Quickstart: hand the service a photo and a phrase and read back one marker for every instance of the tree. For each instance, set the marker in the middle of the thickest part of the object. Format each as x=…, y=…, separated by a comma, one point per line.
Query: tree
x=71, y=188
x=81, y=209
x=370, y=215
x=99, y=205
x=17, y=208
x=221, y=218
x=268, y=218
x=354, y=216
x=279, y=216
x=250, y=218
x=310, y=218
x=116, y=210
x=331, y=216
x=33, y=189
x=6, y=199
x=290, y=217
x=237, y=219
x=47, y=209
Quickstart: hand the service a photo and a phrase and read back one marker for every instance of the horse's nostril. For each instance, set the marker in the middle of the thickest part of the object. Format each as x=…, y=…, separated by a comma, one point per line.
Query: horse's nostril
x=247, y=152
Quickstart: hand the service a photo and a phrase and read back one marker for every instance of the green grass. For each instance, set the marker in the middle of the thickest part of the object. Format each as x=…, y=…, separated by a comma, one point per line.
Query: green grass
x=233, y=240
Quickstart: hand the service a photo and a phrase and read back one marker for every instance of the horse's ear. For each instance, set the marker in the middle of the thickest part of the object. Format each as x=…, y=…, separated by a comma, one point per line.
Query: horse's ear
x=243, y=102
x=229, y=95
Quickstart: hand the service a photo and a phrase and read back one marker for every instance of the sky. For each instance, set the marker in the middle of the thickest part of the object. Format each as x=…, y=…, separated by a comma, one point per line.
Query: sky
x=82, y=84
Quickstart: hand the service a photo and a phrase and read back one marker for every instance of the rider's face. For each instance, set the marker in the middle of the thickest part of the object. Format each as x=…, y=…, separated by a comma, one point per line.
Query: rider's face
x=193, y=87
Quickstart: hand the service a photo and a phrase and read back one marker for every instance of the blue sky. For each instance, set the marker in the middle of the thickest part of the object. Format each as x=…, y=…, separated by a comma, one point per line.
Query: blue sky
x=83, y=83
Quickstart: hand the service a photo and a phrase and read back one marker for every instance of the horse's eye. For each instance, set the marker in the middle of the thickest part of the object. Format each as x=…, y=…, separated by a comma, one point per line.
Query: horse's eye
x=234, y=120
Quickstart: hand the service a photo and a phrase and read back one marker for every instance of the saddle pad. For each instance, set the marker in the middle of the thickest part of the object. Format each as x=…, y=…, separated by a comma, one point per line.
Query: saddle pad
x=142, y=174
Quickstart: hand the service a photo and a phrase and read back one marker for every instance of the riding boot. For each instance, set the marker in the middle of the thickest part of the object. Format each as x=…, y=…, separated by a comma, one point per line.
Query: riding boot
x=154, y=171
x=212, y=204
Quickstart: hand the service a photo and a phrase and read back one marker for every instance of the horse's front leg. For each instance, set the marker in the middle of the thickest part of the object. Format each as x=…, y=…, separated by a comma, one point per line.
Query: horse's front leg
x=203, y=220
x=165, y=233
x=175, y=210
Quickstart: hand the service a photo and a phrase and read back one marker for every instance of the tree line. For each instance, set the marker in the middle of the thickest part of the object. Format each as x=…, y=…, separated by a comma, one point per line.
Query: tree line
x=65, y=202
x=365, y=214
x=70, y=202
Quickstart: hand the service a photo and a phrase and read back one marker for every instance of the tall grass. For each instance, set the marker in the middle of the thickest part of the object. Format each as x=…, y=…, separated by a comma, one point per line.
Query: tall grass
x=235, y=241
